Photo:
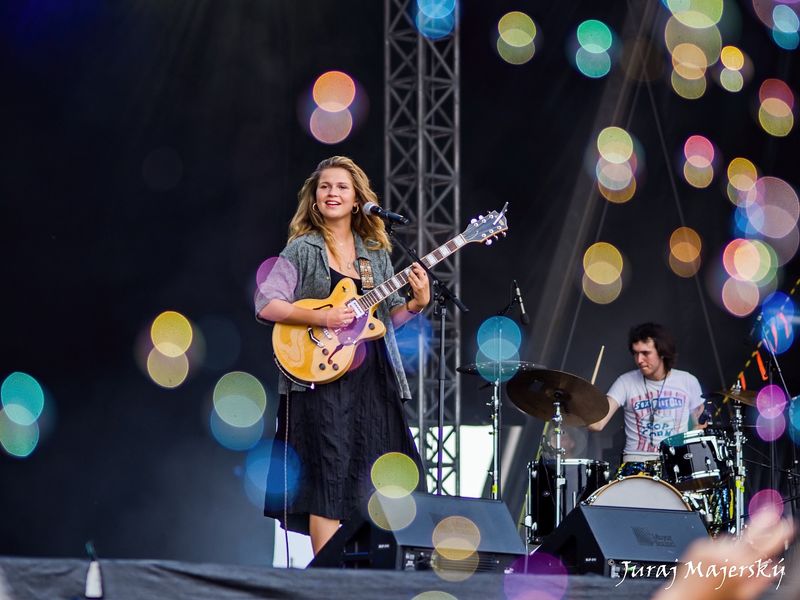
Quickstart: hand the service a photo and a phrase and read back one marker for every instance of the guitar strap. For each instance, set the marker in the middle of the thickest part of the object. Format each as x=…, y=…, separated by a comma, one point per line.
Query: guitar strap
x=367, y=279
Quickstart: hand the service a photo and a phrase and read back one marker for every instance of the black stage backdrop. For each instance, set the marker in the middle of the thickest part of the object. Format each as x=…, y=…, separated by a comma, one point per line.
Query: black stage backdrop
x=150, y=158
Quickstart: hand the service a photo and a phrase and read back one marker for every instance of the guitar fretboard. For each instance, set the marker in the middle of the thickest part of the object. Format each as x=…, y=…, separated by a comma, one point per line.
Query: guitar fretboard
x=379, y=293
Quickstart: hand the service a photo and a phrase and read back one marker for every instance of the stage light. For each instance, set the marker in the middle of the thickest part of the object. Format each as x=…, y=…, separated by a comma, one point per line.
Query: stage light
x=785, y=248
x=167, y=371
x=775, y=88
x=171, y=333
x=770, y=430
x=746, y=260
x=699, y=177
x=600, y=293
x=22, y=398
x=742, y=176
x=516, y=29
x=18, y=440
x=239, y=399
x=732, y=58
x=787, y=41
x=618, y=196
x=698, y=169
x=394, y=475
x=614, y=176
x=731, y=81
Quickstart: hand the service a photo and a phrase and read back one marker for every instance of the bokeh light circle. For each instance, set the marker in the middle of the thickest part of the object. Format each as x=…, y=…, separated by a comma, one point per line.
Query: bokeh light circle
x=776, y=208
x=732, y=58
x=167, y=371
x=594, y=36
x=602, y=263
x=240, y=399
x=615, y=145
x=456, y=537
x=334, y=91
x=330, y=127
x=22, y=397
x=18, y=440
x=770, y=430
x=770, y=401
x=685, y=244
x=171, y=333
x=499, y=338
x=394, y=475
x=767, y=500
x=392, y=514
x=740, y=298
x=516, y=29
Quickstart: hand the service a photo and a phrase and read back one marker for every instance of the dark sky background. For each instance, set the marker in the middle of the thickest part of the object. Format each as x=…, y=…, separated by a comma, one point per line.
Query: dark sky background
x=150, y=158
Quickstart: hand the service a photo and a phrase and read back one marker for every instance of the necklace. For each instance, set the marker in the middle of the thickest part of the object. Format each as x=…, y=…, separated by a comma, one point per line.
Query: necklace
x=654, y=405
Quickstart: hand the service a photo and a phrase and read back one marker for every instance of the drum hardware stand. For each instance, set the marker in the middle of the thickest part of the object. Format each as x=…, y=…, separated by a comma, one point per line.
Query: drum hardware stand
x=739, y=469
x=557, y=419
x=441, y=294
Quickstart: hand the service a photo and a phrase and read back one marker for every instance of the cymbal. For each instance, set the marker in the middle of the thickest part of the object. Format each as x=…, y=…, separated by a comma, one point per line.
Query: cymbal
x=744, y=396
x=534, y=392
x=507, y=367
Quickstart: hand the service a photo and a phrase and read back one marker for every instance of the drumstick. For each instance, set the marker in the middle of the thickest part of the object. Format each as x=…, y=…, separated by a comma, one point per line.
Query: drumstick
x=597, y=366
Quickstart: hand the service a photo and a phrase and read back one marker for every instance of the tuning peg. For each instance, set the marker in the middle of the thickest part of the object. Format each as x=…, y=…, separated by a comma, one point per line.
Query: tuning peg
x=473, y=221
x=504, y=234
x=480, y=217
x=488, y=242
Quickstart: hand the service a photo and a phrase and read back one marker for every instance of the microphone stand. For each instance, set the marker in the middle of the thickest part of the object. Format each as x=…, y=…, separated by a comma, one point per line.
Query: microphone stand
x=775, y=366
x=441, y=295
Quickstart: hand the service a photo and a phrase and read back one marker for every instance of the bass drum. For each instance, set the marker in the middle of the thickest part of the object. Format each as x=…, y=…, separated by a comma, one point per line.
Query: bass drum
x=639, y=491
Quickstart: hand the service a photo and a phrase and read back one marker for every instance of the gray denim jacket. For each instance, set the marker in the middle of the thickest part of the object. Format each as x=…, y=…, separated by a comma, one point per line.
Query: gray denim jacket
x=302, y=271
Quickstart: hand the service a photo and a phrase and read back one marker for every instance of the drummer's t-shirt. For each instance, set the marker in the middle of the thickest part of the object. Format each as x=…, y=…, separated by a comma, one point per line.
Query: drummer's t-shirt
x=655, y=410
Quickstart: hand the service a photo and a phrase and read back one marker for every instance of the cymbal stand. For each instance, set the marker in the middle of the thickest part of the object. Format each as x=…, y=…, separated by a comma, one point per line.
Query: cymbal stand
x=496, y=406
x=739, y=469
x=560, y=481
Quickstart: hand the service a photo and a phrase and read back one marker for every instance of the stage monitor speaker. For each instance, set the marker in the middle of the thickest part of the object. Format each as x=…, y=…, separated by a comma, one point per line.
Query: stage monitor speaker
x=596, y=539
x=359, y=543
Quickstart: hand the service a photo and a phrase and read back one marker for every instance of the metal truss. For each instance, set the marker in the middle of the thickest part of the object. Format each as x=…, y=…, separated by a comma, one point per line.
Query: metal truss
x=421, y=169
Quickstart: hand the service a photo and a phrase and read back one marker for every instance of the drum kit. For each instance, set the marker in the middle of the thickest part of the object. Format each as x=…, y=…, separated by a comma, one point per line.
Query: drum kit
x=701, y=470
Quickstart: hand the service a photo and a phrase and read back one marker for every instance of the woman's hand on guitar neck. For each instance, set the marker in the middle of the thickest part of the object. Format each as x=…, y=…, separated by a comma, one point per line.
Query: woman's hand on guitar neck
x=420, y=288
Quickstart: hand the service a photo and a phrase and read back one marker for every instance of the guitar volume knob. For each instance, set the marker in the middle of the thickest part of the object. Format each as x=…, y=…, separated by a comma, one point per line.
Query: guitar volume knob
x=321, y=366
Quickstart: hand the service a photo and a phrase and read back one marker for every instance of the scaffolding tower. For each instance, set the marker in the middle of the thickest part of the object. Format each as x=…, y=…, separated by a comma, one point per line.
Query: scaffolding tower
x=421, y=173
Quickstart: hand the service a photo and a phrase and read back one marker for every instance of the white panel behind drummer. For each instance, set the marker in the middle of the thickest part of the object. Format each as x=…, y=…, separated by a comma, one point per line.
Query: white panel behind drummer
x=658, y=400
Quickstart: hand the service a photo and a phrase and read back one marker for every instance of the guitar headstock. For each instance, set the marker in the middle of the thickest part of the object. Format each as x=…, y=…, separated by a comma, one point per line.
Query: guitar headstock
x=485, y=228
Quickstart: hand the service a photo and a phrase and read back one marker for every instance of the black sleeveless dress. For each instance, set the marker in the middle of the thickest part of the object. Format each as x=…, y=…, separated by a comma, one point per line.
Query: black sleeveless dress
x=336, y=432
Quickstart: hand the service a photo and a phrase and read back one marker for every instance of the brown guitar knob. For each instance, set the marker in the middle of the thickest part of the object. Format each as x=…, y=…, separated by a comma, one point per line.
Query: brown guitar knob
x=325, y=352
x=371, y=326
x=321, y=366
x=335, y=367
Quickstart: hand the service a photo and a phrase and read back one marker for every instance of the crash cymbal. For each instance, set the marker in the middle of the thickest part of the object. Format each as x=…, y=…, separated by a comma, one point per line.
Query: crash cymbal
x=534, y=392
x=507, y=367
x=744, y=396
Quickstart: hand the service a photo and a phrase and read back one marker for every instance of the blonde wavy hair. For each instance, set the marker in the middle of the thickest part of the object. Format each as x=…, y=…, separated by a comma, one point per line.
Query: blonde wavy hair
x=371, y=229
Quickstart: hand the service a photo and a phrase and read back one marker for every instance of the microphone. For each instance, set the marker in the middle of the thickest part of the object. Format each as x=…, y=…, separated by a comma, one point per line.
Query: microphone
x=374, y=209
x=518, y=299
x=756, y=330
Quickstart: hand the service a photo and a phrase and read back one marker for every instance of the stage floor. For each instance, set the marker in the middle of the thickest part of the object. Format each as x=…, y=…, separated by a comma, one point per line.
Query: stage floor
x=52, y=579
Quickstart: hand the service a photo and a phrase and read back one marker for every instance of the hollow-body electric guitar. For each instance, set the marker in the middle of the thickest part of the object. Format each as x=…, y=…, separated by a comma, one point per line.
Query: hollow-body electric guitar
x=314, y=354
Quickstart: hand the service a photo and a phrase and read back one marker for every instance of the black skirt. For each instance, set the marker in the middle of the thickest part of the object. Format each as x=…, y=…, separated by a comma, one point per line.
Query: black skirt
x=336, y=432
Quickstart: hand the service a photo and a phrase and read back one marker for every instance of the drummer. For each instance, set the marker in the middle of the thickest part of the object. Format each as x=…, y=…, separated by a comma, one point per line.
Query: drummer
x=658, y=400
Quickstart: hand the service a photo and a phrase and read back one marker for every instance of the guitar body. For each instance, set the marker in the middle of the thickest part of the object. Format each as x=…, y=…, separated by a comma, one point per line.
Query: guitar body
x=313, y=354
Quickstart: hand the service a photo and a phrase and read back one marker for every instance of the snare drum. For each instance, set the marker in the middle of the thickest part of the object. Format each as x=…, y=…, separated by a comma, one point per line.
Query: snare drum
x=640, y=491
x=695, y=460
x=582, y=477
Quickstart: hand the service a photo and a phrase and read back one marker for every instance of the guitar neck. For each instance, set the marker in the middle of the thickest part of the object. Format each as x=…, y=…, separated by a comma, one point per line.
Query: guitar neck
x=381, y=292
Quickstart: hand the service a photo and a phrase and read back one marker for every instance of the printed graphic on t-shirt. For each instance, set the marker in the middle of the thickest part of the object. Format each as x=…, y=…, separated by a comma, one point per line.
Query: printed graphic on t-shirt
x=658, y=418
